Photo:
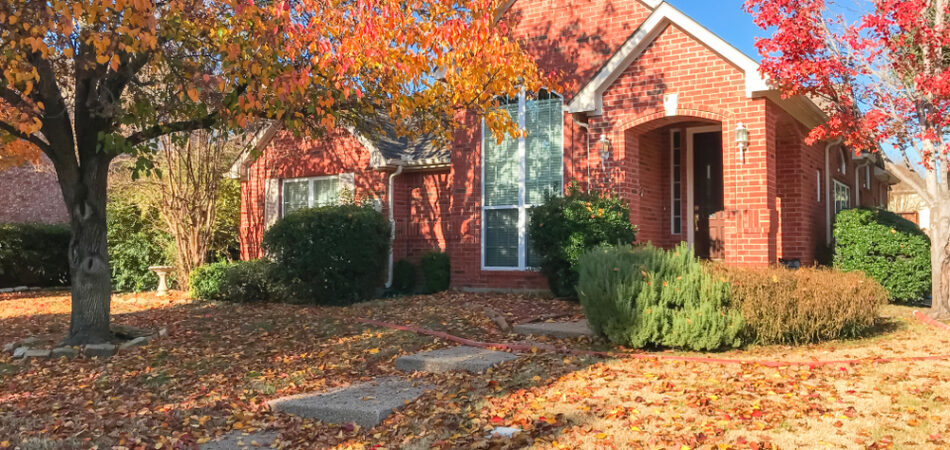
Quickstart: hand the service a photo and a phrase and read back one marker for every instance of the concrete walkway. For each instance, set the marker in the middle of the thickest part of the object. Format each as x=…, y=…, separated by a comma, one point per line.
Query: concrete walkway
x=367, y=403
x=555, y=329
x=471, y=359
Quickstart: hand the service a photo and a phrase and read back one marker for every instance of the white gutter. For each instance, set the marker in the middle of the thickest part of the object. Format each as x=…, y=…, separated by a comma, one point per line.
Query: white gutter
x=392, y=223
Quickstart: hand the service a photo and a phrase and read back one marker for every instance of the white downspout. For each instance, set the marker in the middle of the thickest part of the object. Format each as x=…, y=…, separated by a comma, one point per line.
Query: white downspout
x=392, y=223
x=586, y=127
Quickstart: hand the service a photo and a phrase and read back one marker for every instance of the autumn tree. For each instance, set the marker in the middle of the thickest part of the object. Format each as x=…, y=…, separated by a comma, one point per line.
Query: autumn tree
x=882, y=77
x=87, y=80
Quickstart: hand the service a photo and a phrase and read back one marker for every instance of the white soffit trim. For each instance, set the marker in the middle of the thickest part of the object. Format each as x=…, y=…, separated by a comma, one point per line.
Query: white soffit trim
x=590, y=98
x=376, y=158
x=238, y=170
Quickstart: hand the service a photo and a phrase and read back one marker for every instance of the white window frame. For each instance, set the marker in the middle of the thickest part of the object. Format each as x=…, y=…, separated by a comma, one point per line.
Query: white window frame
x=834, y=196
x=522, y=190
x=310, y=196
x=818, y=179
x=867, y=177
x=676, y=214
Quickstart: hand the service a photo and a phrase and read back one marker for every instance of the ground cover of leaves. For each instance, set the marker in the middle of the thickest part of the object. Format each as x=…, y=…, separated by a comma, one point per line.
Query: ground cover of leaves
x=220, y=363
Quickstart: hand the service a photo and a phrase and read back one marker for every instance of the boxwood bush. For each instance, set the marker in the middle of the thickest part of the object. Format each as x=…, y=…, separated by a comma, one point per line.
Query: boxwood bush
x=240, y=281
x=564, y=228
x=782, y=306
x=329, y=255
x=648, y=297
x=888, y=248
x=436, y=271
x=33, y=255
x=404, y=277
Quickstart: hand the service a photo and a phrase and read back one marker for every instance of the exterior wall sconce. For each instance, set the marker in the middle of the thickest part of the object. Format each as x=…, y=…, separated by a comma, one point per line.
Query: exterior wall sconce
x=742, y=140
x=604, y=150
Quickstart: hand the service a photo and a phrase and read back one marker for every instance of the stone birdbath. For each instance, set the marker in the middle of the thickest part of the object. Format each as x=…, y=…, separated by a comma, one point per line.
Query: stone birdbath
x=162, y=272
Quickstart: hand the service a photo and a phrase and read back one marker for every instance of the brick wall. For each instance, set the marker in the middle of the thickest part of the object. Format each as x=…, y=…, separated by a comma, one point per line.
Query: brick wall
x=31, y=194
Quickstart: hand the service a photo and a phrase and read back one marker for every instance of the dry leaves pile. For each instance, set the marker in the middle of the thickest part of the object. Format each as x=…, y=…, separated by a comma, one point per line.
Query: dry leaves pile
x=221, y=363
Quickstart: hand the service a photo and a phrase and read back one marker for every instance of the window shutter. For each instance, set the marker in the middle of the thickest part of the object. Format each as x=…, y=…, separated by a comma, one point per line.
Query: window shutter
x=271, y=201
x=346, y=189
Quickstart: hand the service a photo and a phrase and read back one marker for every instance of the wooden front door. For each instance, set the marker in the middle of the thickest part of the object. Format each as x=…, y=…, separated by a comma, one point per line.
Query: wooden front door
x=708, y=194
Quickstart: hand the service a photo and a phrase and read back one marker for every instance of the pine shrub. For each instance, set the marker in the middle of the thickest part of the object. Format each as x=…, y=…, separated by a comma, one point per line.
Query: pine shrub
x=648, y=297
x=436, y=271
x=564, y=228
x=332, y=255
x=782, y=306
x=886, y=247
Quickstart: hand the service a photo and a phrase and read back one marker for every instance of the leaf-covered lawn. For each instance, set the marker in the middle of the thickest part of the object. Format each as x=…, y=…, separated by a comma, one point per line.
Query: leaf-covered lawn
x=220, y=363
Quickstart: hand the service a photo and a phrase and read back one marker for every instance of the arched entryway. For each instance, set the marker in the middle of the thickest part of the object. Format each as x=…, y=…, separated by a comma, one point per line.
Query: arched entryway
x=672, y=175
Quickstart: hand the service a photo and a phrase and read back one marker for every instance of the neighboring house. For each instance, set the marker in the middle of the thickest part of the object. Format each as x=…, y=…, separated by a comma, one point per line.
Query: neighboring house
x=31, y=194
x=659, y=115
x=904, y=200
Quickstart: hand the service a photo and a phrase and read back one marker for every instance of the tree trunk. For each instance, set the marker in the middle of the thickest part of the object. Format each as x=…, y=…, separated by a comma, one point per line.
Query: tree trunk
x=940, y=260
x=88, y=256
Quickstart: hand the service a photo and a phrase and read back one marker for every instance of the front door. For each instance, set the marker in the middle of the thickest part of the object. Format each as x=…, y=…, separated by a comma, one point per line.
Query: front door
x=707, y=185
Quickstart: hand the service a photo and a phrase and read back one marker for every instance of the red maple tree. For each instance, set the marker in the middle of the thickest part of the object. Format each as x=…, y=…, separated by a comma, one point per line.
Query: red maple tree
x=883, y=79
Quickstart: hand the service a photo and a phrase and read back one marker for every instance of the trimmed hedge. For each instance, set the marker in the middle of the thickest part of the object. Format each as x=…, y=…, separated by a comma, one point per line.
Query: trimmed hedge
x=564, y=228
x=34, y=255
x=648, y=297
x=404, y=277
x=240, y=281
x=886, y=247
x=782, y=306
x=436, y=271
x=329, y=255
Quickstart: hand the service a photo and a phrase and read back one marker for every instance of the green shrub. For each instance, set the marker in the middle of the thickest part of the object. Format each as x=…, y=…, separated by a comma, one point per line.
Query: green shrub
x=329, y=255
x=136, y=242
x=34, y=255
x=782, y=306
x=404, y=276
x=436, y=271
x=886, y=247
x=239, y=281
x=564, y=228
x=648, y=297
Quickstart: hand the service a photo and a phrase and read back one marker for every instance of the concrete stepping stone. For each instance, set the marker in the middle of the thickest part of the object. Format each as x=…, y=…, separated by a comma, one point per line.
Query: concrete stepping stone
x=555, y=329
x=472, y=359
x=367, y=404
x=238, y=440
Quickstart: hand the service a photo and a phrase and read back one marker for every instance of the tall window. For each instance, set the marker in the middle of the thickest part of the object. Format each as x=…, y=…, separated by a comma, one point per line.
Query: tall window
x=818, y=184
x=519, y=174
x=310, y=192
x=842, y=197
x=676, y=183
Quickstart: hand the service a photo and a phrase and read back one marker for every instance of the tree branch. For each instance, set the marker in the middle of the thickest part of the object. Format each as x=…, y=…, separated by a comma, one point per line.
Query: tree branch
x=173, y=127
x=33, y=139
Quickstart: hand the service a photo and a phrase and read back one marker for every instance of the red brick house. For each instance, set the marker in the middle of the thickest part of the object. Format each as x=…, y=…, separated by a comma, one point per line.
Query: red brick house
x=658, y=114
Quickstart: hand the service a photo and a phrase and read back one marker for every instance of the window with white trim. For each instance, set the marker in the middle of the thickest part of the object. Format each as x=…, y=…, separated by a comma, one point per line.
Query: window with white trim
x=519, y=174
x=867, y=177
x=842, y=197
x=676, y=182
x=299, y=193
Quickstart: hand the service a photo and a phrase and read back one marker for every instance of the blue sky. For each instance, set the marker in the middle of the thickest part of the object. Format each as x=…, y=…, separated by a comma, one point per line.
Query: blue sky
x=725, y=18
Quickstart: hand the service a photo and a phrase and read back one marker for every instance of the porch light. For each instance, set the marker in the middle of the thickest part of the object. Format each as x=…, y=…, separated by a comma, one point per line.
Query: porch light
x=604, y=149
x=742, y=140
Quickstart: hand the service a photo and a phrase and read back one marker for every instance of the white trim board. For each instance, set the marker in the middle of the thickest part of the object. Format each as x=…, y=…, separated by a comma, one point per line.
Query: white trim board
x=590, y=97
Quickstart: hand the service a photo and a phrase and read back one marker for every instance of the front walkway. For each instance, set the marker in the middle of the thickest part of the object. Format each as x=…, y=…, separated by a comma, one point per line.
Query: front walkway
x=221, y=364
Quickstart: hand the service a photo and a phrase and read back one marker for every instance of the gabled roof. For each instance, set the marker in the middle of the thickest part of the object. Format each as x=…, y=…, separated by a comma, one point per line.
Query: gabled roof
x=590, y=98
x=387, y=148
